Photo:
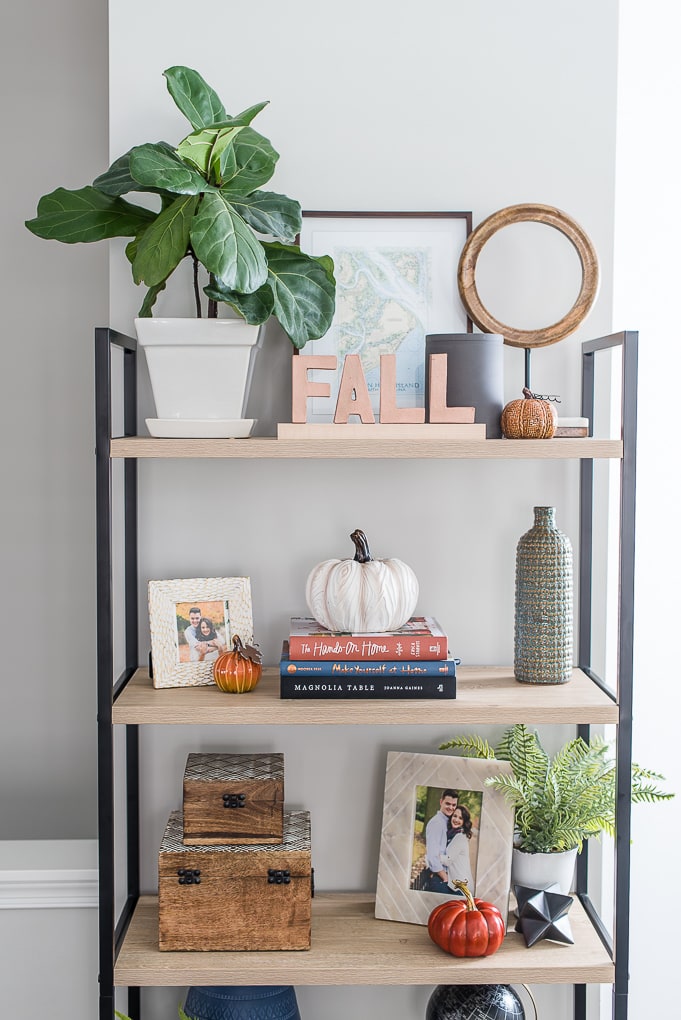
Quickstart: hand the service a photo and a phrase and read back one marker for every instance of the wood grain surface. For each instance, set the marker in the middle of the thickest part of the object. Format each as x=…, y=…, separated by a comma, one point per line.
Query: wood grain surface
x=483, y=693
x=350, y=947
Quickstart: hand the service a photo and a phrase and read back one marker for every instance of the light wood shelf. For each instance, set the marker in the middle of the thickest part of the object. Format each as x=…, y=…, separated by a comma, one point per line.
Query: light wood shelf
x=484, y=694
x=350, y=947
x=350, y=449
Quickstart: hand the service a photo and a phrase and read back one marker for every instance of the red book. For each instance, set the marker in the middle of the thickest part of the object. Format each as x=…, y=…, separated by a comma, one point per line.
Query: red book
x=420, y=638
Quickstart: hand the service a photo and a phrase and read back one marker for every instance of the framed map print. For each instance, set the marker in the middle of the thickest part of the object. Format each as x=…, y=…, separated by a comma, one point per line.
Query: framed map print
x=396, y=281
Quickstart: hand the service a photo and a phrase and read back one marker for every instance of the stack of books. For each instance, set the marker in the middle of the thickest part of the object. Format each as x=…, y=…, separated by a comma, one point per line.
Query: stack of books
x=412, y=662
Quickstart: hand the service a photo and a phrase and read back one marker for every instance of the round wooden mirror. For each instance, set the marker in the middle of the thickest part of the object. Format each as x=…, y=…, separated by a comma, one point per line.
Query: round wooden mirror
x=520, y=214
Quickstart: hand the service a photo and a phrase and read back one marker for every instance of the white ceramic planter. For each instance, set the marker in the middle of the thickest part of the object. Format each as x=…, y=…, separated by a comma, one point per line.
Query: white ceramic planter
x=200, y=370
x=539, y=871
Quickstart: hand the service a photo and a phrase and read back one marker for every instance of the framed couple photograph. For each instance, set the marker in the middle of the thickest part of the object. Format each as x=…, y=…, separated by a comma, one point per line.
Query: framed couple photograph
x=441, y=824
x=192, y=622
x=396, y=281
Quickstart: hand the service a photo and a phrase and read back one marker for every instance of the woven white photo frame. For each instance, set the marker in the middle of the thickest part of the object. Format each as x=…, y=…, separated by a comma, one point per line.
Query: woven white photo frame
x=163, y=598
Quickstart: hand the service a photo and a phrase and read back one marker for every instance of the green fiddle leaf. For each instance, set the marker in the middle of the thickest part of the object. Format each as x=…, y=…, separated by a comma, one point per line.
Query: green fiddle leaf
x=227, y=246
x=87, y=215
x=203, y=148
x=269, y=213
x=164, y=243
x=200, y=104
x=150, y=300
x=304, y=291
x=256, y=159
x=118, y=180
x=255, y=308
x=167, y=199
x=131, y=248
x=155, y=166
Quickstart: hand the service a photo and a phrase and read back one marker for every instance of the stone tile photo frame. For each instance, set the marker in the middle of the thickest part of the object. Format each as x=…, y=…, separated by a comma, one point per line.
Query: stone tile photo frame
x=415, y=788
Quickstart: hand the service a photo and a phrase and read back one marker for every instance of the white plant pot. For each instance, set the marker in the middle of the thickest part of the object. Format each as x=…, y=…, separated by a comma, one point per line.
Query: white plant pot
x=539, y=871
x=200, y=370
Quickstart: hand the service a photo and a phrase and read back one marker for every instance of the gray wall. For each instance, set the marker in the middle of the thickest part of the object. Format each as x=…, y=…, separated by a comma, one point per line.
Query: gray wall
x=53, y=84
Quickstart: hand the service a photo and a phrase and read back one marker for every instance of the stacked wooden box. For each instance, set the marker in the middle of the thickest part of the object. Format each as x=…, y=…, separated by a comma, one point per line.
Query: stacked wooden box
x=234, y=867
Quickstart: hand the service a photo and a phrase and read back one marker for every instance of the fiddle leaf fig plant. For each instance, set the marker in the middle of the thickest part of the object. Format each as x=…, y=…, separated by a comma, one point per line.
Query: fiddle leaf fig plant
x=211, y=210
x=559, y=802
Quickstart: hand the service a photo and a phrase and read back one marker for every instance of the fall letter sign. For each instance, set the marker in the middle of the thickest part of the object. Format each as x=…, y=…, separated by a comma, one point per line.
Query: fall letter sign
x=353, y=395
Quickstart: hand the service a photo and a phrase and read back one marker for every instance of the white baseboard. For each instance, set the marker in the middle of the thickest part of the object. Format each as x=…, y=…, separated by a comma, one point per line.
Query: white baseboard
x=45, y=873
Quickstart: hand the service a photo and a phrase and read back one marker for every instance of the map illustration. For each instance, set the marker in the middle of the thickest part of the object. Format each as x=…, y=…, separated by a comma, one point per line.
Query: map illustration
x=382, y=301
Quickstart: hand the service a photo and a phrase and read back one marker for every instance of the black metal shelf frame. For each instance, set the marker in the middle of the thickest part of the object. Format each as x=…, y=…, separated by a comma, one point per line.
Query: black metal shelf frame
x=112, y=929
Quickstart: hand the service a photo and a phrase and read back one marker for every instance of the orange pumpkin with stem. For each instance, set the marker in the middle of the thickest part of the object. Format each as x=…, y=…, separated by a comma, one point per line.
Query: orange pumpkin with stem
x=528, y=418
x=240, y=670
x=467, y=927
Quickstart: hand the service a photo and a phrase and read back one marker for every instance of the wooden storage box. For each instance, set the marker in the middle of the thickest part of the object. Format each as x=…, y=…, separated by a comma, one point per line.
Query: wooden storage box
x=230, y=897
x=233, y=798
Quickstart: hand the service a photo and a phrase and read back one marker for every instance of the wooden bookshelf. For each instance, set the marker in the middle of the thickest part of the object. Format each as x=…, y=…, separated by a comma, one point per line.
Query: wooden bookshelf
x=350, y=947
x=350, y=449
x=484, y=694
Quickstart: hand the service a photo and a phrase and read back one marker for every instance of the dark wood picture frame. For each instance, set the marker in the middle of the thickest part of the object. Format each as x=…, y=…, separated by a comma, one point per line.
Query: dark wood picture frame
x=413, y=290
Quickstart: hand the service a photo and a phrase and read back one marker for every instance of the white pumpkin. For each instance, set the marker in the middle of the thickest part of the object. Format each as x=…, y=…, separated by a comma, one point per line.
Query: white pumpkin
x=362, y=595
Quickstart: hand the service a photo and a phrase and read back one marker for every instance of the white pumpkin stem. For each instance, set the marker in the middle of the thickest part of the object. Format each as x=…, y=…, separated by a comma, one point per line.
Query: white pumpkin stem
x=362, y=554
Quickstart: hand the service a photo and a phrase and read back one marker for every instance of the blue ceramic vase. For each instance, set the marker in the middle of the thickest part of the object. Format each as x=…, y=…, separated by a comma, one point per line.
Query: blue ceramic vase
x=242, y=1002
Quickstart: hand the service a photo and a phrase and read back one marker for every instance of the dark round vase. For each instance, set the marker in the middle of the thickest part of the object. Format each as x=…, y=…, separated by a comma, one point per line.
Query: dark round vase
x=475, y=374
x=242, y=1002
x=474, y=1002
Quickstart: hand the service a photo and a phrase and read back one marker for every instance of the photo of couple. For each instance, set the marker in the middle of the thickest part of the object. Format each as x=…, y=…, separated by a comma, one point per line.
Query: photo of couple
x=202, y=630
x=446, y=831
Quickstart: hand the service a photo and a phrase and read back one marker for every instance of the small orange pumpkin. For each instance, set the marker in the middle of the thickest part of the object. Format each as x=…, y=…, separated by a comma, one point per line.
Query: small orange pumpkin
x=467, y=927
x=529, y=418
x=240, y=670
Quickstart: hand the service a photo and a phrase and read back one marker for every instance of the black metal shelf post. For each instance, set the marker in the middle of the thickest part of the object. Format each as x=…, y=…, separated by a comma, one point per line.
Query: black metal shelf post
x=111, y=929
x=619, y=946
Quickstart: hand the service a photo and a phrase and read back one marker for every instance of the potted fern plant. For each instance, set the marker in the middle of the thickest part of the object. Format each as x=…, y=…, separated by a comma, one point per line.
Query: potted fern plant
x=559, y=802
x=210, y=210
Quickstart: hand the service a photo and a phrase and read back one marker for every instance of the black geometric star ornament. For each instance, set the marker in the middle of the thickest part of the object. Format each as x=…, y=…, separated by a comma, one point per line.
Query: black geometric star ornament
x=542, y=915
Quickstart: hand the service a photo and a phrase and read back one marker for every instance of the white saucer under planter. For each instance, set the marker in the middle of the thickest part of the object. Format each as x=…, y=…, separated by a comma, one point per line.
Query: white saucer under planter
x=200, y=371
x=540, y=871
x=205, y=428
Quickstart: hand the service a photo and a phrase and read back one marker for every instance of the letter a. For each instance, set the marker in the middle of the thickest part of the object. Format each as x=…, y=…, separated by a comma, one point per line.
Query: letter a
x=353, y=382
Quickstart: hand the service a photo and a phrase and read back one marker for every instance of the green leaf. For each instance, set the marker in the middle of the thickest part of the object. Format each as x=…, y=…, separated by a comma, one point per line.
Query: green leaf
x=150, y=300
x=118, y=180
x=256, y=160
x=155, y=166
x=164, y=244
x=472, y=747
x=269, y=213
x=200, y=104
x=87, y=215
x=255, y=308
x=227, y=246
x=304, y=292
x=205, y=147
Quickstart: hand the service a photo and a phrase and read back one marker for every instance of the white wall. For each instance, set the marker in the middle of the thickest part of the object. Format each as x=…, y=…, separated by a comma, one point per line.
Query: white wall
x=646, y=277
x=53, y=91
x=376, y=106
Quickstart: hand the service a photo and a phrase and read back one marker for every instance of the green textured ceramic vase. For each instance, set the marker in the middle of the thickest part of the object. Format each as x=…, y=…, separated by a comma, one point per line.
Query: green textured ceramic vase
x=543, y=603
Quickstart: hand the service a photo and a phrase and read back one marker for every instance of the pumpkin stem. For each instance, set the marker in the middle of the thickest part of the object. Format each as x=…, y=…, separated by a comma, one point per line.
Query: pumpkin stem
x=237, y=645
x=362, y=554
x=528, y=394
x=470, y=902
